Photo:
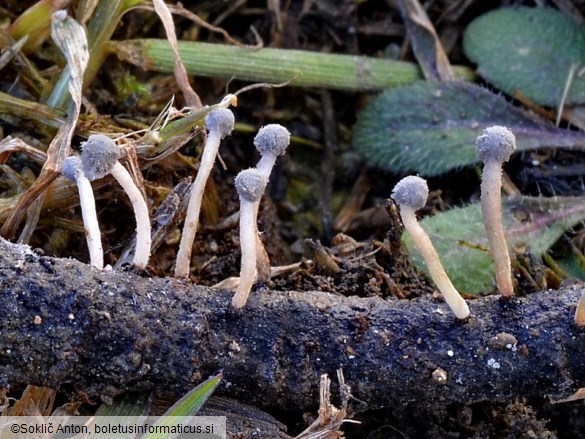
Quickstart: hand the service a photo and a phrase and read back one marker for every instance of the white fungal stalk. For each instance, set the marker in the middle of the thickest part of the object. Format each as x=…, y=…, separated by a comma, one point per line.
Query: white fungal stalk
x=271, y=142
x=100, y=157
x=411, y=194
x=250, y=185
x=73, y=171
x=580, y=312
x=220, y=123
x=143, y=237
x=494, y=147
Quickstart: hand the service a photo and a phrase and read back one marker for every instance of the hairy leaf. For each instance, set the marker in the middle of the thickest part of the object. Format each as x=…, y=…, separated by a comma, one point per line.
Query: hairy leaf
x=531, y=223
x=530, y=50
x=431, y=128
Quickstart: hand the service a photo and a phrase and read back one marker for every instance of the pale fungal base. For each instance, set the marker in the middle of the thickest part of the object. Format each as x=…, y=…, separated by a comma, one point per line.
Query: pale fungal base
x=183, y=261
x=265, y=164
x=262, y=260
x=424, y=245
x=73, y=170
x=580, y=312
x=248, y=241
x=90, y=222
x=264, y=167
x=143, y=238
x=491, y=207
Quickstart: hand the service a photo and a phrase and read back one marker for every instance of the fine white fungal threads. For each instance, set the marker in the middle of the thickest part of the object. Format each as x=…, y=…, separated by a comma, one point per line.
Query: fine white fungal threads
x=496, y=144
x=99, y=156
x=411, y=191
x=271, y=141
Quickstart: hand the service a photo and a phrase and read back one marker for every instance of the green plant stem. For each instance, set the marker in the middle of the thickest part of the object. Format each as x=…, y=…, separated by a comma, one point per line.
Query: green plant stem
x=181, y=126
x=35, y=23
x=302, y=68
x=31, y=110
x=54, y=117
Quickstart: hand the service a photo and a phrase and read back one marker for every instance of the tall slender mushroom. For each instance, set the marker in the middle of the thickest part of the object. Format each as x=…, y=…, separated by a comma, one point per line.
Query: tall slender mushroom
x=99, y=158
x=250, y=185
x=411, y=194
x=219, y=123
x=271, y=141
x=580, y=311
x=72, y=170
x=494, y=147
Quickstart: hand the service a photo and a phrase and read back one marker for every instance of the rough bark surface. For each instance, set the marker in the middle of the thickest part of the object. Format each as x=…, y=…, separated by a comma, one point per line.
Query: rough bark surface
x=105, y=332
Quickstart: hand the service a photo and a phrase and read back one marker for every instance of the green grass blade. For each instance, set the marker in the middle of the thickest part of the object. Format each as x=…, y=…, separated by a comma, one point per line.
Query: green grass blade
x=120, y=412
x=302, y=68
x=188, y=405
x=132, y=404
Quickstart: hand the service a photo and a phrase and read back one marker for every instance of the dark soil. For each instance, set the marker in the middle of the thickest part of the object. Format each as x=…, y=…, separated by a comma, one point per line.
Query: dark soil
x=299, y=219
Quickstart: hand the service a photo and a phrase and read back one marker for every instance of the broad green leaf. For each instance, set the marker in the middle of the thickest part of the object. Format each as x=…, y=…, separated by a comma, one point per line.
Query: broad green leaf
x=532, y=224
x=530, y=50
x=188, y=405
x=430, y=128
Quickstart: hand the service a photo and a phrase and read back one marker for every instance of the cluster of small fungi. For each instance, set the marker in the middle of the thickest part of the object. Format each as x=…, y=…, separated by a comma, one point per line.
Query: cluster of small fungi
x=100, y=155
x=494, y=147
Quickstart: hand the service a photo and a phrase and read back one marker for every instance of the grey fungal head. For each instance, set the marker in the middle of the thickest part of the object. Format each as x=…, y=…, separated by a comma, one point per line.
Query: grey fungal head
x=99, y=154
x=411, y=191
x=496, y=143
x=250, y=185
x=71, y=167
x=273, y=138
x=220, y=120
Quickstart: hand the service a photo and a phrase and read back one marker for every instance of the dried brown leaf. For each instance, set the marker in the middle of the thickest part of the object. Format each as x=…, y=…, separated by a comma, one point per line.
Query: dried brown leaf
x=191, y=98
x=71, y=39
x=425, y=42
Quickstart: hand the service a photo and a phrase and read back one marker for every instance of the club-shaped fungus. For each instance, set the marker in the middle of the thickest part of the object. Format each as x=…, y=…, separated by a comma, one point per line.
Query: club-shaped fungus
x=72, y=170
x=250, y=185
x=494, y=147
x=411, y=194
x=271, y=141
x=219, y=123
x=99, y=158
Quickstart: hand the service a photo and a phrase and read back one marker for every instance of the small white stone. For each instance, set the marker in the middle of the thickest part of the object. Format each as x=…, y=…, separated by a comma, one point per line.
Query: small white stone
x=493, y=363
